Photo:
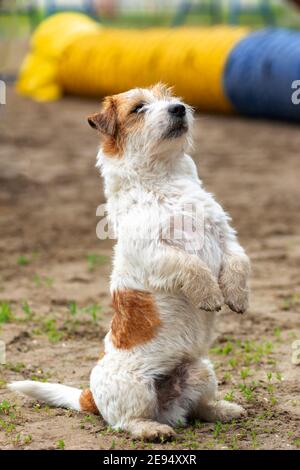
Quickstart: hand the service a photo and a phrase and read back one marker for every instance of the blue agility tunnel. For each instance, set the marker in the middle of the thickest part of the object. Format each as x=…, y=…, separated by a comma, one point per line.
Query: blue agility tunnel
x=260, y=71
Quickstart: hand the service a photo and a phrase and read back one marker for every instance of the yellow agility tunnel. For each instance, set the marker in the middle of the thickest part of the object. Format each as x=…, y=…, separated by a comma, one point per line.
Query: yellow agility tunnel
x=71, y=53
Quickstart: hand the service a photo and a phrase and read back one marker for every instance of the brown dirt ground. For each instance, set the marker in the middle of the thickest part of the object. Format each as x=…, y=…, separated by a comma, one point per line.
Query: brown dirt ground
x=49, y=191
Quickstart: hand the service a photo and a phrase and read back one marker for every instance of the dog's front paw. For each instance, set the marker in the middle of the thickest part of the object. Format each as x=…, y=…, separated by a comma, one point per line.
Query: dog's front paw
x=238, y=302
x=234, y=283
x=212, y=300
x=206, y=295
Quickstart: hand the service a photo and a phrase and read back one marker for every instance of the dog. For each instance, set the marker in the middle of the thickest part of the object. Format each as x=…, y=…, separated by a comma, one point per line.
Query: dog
x=166, y=289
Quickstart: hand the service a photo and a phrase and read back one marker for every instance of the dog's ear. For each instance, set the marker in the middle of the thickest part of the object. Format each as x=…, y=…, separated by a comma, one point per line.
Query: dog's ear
x=105, y=121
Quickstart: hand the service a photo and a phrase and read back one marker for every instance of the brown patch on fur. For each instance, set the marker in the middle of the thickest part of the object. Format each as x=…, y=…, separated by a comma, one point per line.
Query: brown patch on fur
x=111, y=148
x=105, y=121
x=87, y=402
x=115, y=122
x=136, y=318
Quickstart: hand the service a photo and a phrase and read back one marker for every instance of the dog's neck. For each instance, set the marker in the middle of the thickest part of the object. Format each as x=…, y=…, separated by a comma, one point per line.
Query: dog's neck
x=130, y=171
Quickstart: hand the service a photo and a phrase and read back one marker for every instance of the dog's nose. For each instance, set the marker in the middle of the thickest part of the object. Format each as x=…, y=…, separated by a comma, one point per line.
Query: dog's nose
x=177, y=110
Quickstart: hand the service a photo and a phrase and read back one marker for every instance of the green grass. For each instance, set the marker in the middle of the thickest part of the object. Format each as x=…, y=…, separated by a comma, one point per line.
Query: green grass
x=43, y=281
x=7, y=416
x=27, y=310
x=296, y=442
x=15, y=367
x=5, y=312
x=60, y=444
x=244, y=353
x=73, y=309
x=93, y=310
x=27, y=439
x=23, y=260
x=50, y=328
x=236, y=357
x=290, y=302
x=95, y=261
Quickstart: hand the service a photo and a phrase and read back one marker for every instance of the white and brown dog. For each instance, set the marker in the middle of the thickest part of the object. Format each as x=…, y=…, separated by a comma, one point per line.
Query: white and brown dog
x=165, y=286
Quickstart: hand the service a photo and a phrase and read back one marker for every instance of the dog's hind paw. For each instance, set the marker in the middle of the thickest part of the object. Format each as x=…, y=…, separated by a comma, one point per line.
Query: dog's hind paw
x=151, y=431
x=227, y=411
x=221, y=410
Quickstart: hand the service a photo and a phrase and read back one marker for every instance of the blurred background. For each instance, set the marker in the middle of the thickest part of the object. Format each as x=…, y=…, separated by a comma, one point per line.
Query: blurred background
x=236, y=62
x=18, y=18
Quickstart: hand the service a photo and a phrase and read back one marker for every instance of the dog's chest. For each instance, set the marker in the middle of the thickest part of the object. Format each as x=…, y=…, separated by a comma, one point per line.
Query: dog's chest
x=191, y=220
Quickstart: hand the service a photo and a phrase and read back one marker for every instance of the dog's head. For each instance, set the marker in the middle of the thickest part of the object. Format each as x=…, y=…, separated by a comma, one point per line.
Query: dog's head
x=143, y=123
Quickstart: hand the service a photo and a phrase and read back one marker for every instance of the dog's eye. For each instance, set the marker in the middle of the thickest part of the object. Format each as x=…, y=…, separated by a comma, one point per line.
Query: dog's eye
x=138, y=108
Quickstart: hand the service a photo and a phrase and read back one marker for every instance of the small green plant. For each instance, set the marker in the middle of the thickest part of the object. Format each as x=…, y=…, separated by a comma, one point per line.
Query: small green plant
x=73, y=309
x=42, y=280
x=49, y=327
x=5, y=312
x=246, y=391
x=279, y=376
x=27, y=439
x=223, y=350
x=234, y=443
x=23, y=260
x=95, y=261
x=5, y=407
x=290, y=302
x=244, y=373
x=229, y=396
x=93, y=310
x=27, y=310
x=15, y=367
x=217, y=429
x=60, y=444
x=296, y=442
x=233, y=362
x=254, y=438
x=277, y=333
x=227, y=377
x=269, y=376
x=113, y=445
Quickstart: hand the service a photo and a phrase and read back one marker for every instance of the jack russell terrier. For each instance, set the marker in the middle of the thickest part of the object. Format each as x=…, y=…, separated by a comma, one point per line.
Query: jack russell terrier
x=176, y=261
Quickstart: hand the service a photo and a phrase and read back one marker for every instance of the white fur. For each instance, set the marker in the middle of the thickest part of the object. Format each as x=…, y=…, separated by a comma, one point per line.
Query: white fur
x=54, y=394
x=154, y=180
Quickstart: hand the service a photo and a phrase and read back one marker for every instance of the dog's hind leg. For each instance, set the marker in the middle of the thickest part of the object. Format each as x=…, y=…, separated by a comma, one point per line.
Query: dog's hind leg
x=196, y=385
x=180, y=392
x=208, y=407
x=127, y=399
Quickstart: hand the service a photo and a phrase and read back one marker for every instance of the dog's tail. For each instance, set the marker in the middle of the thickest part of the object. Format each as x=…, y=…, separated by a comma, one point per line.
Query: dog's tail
x=57, y=395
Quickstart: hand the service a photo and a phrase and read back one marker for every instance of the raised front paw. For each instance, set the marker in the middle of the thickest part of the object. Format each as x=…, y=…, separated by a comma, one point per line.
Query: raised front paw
x=234, y=283
x=238, y=302
x=212, y=300
x=205, y=295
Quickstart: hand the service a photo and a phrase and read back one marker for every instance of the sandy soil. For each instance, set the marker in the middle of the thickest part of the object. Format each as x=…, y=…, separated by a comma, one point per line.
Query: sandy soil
x=54, y=307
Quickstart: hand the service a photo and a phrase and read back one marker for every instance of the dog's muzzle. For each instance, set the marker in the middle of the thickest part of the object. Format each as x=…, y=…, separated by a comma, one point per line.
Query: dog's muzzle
x=178, y=123
x=177, y=110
